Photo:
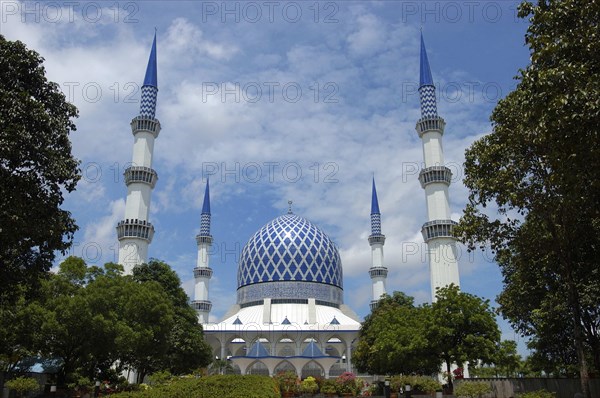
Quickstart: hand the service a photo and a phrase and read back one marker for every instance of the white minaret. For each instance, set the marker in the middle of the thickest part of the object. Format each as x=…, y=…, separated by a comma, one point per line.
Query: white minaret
x=202, y=272
x=135, y=232
x=377, y=271
x=435, y=179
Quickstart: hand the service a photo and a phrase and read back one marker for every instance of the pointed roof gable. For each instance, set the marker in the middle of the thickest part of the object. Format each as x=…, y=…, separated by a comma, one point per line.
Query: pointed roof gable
x=312, y=351
x=257, y=350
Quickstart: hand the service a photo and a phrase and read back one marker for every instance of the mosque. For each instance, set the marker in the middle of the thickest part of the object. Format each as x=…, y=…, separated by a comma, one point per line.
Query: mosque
x=290, y=312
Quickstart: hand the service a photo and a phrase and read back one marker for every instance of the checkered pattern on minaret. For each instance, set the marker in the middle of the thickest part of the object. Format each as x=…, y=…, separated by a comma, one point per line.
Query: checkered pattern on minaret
x=148, y=105
x=205, y=224
x=428, y=101
x=376, y=224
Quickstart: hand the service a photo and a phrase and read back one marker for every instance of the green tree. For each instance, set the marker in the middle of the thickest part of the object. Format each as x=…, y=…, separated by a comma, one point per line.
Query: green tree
x=392, y=339
x=98, y=321
x=506, y=358
x=540, y=170
x=187, y=349
x=36, y=168
x=462, y=328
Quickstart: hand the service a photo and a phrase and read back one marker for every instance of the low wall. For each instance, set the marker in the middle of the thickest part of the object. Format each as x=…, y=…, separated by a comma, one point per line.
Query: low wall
x=509, y=388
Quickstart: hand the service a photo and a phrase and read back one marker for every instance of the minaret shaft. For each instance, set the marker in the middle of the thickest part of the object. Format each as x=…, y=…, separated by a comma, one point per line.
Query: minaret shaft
x=135, y=232
x=202, y=271
x=435, y=179
x=378, y=271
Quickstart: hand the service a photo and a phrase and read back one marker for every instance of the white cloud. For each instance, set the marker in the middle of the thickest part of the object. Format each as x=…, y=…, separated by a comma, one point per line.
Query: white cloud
x=99, y=238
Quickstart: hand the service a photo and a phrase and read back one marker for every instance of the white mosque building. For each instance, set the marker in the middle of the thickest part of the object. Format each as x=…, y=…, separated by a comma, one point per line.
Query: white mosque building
x=290, y=312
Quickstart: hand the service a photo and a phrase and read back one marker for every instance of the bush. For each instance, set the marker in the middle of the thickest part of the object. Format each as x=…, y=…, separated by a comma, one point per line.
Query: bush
x=288, y=381
x=22, y=385
x=159, y=378
x=472, y=389
x=309, y=385
x=329, y=387
x=222, y=386
x=537, y=394
x=419, y=384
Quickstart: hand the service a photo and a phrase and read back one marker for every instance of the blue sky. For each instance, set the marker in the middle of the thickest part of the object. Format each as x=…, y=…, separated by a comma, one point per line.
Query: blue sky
x=300, y=101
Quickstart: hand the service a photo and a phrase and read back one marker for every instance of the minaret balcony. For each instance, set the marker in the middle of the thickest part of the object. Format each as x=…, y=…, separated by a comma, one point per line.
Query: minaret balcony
x=427, y=124
x=135, y=229
x=438, y=229
x=202, y=305
x=204, y=239
x=203, y=272
x=141, y=174
x=376, y=272
x=144, y=123
x=374, y=304
x=435, y=174
x=373, y=239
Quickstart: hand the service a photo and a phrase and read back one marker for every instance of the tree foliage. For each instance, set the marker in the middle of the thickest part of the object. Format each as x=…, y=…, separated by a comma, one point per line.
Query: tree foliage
x=98, y=322
x=392, y=339
x=462, y=328
x=36, y=168
x=540, y=169
x=399, y=337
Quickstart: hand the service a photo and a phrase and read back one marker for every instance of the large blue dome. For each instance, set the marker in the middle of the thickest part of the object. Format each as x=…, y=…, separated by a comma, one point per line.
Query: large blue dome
x=290, y=249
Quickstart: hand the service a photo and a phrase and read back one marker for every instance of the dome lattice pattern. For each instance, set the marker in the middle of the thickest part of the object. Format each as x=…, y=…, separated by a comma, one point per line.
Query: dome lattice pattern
x=290, y=248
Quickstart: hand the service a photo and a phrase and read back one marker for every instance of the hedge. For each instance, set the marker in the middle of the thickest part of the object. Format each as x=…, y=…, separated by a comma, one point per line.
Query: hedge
x=222, y=386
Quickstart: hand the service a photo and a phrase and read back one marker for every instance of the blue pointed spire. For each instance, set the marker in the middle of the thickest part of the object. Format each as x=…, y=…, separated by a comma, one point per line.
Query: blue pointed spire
x=425, y=77
x=426, y=87
x=375, y=214
x=205, y=215
x=206, y=204
x=374, y=201
x=150, y=86
x=151, y=78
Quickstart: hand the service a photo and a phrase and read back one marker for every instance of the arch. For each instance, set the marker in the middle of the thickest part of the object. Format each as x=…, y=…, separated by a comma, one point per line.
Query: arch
x=240, y=351
x=236, y=346
x=284, y=366
x=337, y=368
x=332, y=351
x=257, y=368
x=312, y=368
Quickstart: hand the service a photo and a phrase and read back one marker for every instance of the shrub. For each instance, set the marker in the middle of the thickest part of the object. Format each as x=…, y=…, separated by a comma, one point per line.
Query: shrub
x=159, y=378
x=346, y=383
x=288, y=381
x=472, y=389
x=419, y=384
x=537, y=394
x=309, y=385
x=329, y=387
x=221, y=386
x=22, y=385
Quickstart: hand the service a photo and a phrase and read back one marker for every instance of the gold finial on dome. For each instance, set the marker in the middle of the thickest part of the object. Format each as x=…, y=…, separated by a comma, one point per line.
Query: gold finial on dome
x=290, y=207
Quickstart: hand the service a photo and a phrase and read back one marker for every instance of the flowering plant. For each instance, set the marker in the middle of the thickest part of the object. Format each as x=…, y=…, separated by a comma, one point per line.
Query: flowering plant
x=288, y=381
x=346, y=383
x=458, y=373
